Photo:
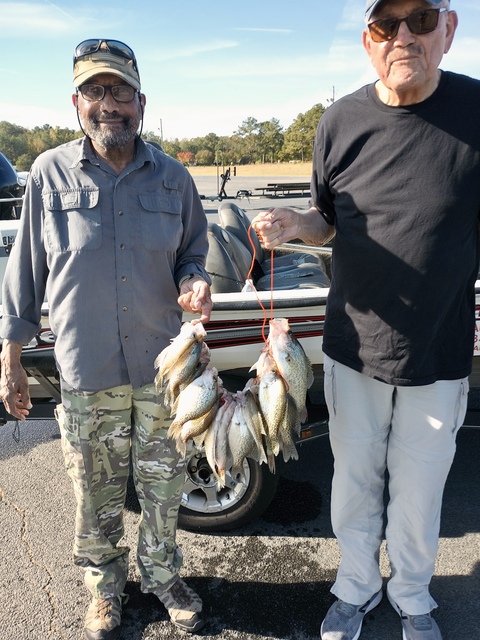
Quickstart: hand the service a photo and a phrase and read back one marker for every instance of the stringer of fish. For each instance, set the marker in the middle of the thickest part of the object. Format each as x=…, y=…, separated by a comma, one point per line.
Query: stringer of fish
x=256, y=422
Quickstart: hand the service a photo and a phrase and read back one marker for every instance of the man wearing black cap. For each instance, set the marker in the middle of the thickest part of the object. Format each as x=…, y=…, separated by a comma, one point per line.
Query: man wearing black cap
x=396, y=175
x=114, y=233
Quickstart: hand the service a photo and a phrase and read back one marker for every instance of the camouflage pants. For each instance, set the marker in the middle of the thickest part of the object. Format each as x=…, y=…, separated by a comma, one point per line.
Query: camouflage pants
x=99, y=433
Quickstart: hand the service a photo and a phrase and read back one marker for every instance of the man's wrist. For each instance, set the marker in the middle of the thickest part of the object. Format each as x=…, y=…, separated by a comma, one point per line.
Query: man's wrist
x=188, y=277
x=11, y=352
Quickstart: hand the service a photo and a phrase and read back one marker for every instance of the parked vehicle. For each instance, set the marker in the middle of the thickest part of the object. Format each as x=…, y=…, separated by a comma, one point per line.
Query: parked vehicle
x=11, y=190
x=235, y=338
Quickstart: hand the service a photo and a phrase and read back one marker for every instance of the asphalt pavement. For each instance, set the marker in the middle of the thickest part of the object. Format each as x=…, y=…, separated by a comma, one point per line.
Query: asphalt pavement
x=271, y=579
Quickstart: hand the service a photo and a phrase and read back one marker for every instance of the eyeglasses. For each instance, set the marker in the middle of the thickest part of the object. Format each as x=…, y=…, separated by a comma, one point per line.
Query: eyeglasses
x=419, y=23
x=96, y=92
x=115, y=47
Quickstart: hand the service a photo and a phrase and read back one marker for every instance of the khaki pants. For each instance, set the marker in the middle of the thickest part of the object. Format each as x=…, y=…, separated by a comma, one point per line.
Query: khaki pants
x=411, y=432
x=100, y=433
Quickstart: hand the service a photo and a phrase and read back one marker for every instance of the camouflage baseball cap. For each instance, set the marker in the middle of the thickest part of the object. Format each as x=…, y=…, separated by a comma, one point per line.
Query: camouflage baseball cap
x=95, y=56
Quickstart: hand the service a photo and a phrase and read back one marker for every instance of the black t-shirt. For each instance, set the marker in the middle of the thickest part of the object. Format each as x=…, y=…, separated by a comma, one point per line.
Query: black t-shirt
x=402, y=187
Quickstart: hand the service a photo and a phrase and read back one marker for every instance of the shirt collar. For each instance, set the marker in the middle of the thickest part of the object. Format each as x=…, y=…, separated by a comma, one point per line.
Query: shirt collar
x=143, y=153
x=85, y=152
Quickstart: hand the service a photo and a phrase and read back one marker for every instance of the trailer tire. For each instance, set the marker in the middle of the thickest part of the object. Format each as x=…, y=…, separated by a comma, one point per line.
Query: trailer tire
x=209, y=509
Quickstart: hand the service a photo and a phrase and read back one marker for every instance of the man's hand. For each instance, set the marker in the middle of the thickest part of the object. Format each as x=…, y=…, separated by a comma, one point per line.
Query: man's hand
x=195, y=297
x=276, y=226
x=14, y=389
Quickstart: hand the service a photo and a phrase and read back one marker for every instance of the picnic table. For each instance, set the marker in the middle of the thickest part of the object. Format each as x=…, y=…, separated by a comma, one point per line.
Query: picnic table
x=285, y=188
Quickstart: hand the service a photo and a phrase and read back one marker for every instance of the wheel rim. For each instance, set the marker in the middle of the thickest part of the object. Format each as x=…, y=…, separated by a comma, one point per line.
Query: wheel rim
x=201, y=493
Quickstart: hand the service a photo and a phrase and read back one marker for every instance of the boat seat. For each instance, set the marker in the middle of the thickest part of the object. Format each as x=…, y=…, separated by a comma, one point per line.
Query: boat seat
x=223, y=273
x=306, y=275
x=235, y=220
x=303, y=276
x=238, y=252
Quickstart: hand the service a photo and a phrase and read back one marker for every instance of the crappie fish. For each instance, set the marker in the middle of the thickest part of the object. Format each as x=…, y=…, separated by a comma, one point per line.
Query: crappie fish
x=190, y=332
x=287, y=426
x=254, y=423
x=240, y=439
x=254, y=420
x=292, y=364
x=216, y=438
x=195, y=400
x=272, y=398
x=189, y=366
x=195, y=427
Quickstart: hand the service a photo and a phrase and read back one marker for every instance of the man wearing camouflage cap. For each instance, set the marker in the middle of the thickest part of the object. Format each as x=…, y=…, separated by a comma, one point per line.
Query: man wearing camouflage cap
x=114, y=232
x=396, y=175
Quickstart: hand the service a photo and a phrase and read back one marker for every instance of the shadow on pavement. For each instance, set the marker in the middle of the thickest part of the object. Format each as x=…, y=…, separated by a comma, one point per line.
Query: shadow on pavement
x=294, y=611
x=238, y=609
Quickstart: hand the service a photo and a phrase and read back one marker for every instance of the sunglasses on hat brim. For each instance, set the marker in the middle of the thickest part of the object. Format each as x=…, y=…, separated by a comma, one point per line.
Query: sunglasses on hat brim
x=115, y=47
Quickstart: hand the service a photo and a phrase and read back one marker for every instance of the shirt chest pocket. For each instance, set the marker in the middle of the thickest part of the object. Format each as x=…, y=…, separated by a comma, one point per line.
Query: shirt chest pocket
x=72, y=220
x=161, y=222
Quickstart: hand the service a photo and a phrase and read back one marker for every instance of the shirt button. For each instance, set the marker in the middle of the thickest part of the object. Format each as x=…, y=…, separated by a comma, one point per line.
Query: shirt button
x=126, y=337
x=120, y=213
x=124, y=279
x=125, y=308
x=122, y=246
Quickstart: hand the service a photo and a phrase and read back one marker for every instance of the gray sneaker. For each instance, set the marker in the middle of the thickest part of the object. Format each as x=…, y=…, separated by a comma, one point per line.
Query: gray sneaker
x=421, y=627
x=344, y=621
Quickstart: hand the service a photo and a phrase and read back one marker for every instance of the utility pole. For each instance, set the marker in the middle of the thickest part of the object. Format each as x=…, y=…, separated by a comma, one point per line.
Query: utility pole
x=332, y=99
x=161, y=132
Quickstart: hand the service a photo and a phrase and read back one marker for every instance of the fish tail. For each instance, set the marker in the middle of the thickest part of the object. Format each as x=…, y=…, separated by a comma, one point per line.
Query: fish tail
x=221, y=479
x=275, y=444
x=289, y=451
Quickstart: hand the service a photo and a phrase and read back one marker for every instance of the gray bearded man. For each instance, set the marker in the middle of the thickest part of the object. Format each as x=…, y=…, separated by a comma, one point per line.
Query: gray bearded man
x=396, y=175
x=114, y=233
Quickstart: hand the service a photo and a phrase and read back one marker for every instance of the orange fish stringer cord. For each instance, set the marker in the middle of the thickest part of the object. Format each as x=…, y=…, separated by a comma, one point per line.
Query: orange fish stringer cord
x=265, y=316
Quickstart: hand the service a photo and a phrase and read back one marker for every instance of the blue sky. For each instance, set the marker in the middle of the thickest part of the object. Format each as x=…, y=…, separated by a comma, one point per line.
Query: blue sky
x=205, y=65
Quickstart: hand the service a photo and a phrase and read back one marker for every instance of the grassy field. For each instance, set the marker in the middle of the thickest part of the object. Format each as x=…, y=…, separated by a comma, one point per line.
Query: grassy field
x=303, y=169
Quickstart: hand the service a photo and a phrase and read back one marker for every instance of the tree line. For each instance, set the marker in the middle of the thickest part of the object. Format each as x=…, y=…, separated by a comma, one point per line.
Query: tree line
x=253, y=142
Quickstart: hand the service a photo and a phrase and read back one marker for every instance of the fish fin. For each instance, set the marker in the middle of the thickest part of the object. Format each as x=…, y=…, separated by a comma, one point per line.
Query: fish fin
x=181, y=448
x=237, y=469
x=302, y=415
x=174, y=407
x=158, y=381
x=271, y=463
x=262, y=456
x=199, y=440
x=275, y=446
x=174, y=430
x=311, y=377
x=168, y=398
x=159, y=359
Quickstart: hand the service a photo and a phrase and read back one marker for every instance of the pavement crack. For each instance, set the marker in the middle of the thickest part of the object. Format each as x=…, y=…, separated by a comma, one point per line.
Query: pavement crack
x=54, y=630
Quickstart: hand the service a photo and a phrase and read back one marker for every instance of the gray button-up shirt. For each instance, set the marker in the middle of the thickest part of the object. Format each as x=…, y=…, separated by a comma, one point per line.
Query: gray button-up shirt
x=109, y=251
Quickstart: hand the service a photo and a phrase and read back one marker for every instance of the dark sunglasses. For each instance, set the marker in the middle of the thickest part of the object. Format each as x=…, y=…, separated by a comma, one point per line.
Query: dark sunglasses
x=419, y=23
x=115, y=47
x=96, y=92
